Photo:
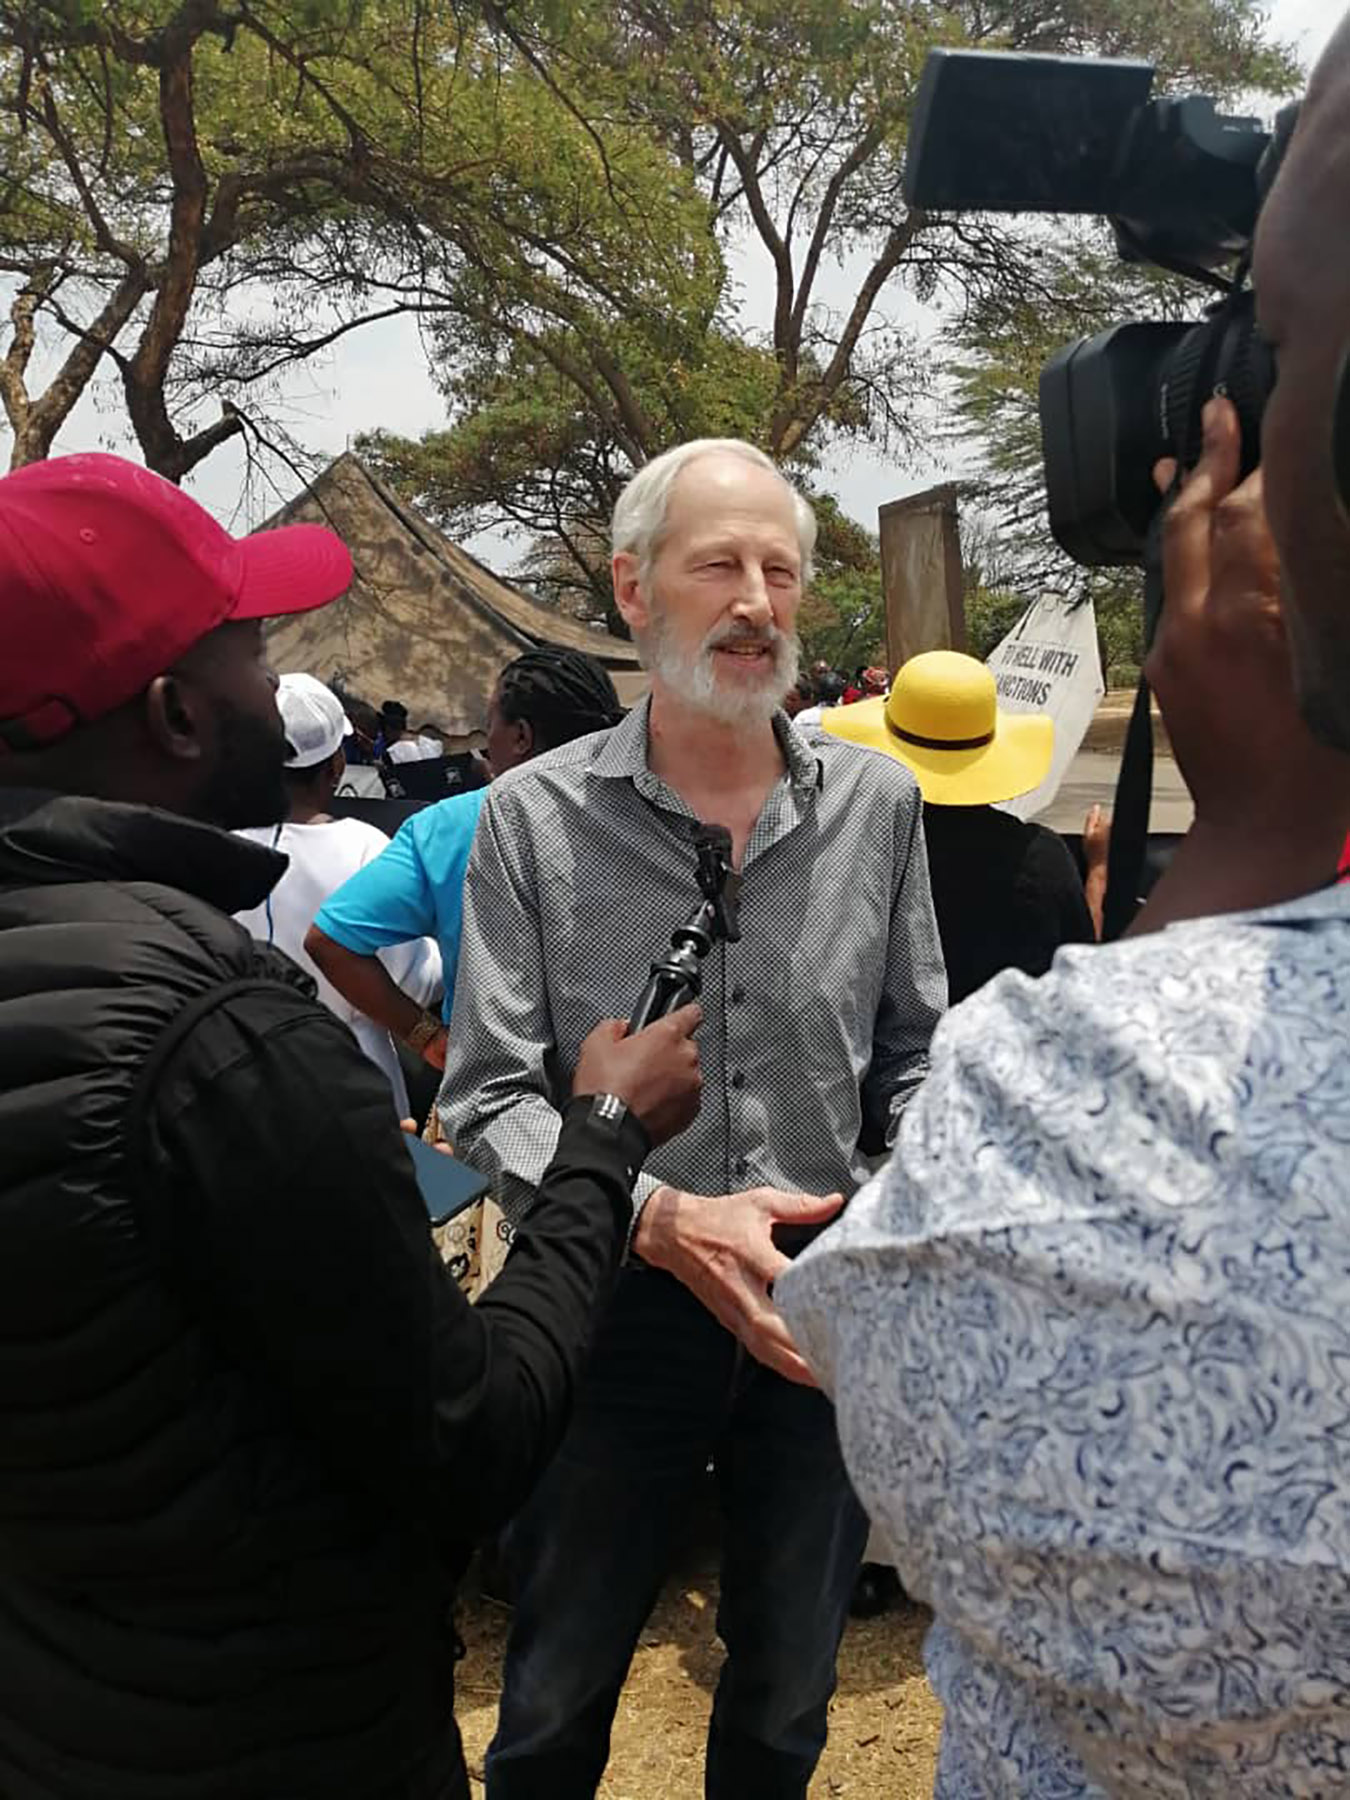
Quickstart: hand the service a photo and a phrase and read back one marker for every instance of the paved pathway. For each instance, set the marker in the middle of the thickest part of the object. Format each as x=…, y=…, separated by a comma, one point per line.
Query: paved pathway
x=1092, y=779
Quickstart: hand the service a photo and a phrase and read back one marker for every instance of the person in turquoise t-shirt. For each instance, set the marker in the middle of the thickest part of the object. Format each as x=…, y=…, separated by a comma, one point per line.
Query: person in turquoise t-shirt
x=415, y=888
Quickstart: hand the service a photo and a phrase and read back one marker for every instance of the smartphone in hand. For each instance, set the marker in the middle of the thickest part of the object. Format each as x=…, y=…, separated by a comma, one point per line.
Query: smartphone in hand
x=448, y=1187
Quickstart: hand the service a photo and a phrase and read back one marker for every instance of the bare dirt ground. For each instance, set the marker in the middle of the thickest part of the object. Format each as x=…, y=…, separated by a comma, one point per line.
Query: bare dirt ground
x=884, y=1720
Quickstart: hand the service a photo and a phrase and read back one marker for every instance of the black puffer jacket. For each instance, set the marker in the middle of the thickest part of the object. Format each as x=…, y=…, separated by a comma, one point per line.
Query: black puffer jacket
x=247, y=1428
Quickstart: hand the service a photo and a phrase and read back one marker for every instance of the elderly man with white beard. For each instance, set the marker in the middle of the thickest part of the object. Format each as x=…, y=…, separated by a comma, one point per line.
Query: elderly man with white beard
x=816, y=1031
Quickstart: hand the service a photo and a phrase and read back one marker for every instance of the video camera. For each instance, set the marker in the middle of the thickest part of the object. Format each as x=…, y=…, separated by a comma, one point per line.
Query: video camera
x=1181, y=184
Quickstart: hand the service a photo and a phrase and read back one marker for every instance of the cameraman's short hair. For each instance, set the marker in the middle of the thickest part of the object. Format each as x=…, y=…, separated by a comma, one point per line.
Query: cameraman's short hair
x=639, y=522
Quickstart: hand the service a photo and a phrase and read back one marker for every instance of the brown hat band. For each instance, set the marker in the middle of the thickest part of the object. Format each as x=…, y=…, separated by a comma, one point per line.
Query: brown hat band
x=929, y=743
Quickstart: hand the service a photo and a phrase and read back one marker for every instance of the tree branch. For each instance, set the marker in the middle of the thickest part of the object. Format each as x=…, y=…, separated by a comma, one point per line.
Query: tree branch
x=104, y=236
x=143, y=376
x=191, y=451
x=496, y=16
x=49, y=413
x=793, y=423
x=294, y=350
x=857, y=156
x=14, y=368
x=745, y=161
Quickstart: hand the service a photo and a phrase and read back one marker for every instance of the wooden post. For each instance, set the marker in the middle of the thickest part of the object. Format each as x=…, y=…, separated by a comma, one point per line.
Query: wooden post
x=921, y=574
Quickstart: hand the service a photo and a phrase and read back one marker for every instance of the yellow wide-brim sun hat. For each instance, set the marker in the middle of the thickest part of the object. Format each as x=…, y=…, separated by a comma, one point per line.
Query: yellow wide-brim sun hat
x=943, y=721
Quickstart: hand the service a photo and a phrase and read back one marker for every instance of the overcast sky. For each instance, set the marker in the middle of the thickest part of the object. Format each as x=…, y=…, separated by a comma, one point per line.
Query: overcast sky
x=378, y=377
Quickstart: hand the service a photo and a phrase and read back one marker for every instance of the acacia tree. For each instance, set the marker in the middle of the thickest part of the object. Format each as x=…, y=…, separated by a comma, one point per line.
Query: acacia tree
x=203, y=194
x=546, y=425
x=794, y=121
x=789, y=121
x=133, y=169
x=533, y=449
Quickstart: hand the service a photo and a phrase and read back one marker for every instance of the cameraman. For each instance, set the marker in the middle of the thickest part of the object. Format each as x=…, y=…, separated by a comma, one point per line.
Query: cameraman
x=1088, y=1333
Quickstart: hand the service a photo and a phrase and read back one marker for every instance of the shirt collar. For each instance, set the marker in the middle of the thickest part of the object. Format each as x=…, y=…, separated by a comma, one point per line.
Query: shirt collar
x=622, y=754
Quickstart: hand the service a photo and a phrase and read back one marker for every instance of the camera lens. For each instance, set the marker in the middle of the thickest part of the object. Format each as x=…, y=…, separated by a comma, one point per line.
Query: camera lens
x=1113, y=404
x=1225, y=355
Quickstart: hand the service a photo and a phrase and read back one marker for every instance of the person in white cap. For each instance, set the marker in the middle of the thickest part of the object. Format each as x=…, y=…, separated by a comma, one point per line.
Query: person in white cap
x=324, y=852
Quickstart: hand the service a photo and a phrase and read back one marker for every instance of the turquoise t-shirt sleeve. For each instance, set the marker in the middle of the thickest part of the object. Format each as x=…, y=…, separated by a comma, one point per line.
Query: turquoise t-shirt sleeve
x=413, y=889
x=387, y=902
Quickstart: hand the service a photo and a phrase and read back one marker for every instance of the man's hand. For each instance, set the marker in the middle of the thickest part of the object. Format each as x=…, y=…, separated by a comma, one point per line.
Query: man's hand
x=1219, y=664
x=722, y=1249
x=433, y=1051
x=655, y=1072
x=409, y=1129
x=1271, y=806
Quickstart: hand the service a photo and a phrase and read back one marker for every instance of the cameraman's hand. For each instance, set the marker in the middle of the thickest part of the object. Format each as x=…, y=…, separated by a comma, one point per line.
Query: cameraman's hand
x=1219, y=663
x=1271, y=808
x=722, y=1249
x=655, y=1072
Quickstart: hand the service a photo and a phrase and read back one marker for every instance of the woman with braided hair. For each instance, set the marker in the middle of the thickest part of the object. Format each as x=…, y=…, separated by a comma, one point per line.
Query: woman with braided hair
x=415, y=888
x=546, y=698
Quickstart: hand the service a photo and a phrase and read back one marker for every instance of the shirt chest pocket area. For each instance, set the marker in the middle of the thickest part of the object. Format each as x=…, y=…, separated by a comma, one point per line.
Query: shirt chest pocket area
x=812, y=958
x=600, y=937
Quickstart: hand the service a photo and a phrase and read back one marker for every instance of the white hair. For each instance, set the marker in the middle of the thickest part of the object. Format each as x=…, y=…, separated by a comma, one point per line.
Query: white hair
x=639, y=522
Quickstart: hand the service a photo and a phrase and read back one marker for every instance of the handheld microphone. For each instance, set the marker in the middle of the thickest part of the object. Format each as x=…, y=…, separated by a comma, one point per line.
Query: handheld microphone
x=676, y=978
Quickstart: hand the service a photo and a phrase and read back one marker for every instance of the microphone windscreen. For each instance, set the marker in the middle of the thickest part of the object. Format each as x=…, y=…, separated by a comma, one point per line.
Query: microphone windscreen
x=713, y=837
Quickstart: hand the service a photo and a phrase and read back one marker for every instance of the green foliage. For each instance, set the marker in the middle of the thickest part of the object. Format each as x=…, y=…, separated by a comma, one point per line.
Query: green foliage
x=527, y=446
x=204, y=194
x=787, y=125
x=990, y=616
x=338, y=160
x=843, y=620
x=783, y=124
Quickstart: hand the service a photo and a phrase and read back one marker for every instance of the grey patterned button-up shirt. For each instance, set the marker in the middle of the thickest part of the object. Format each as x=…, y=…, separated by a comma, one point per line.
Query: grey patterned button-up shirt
x=816, y=1025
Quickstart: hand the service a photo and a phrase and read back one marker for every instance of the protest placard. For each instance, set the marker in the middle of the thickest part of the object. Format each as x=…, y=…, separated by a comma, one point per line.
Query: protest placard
x=1049, y=663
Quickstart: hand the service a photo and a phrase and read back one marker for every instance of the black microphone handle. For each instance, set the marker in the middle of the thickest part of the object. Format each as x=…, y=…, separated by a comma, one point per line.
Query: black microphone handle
x=666, y=991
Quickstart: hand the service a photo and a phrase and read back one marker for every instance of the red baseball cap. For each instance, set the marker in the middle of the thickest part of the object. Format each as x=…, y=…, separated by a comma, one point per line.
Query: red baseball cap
x=109, y=574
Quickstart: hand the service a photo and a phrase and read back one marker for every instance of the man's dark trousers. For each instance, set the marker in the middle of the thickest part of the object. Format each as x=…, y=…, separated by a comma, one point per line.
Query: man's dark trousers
x=668, y=1387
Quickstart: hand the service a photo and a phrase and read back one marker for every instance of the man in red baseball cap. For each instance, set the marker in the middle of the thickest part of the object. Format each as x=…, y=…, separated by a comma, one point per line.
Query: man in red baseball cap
x=133, y=648
x=249, y=1428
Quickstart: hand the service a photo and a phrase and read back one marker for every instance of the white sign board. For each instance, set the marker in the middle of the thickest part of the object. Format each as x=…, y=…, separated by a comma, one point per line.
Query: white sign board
x=1049, y=663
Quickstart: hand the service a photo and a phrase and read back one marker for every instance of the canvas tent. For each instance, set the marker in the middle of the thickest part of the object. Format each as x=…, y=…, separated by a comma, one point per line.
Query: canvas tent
x=424, y=622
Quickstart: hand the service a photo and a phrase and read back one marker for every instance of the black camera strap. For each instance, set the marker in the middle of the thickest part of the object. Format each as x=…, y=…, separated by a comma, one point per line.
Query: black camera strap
x=1129, y=820
x=1134, y=785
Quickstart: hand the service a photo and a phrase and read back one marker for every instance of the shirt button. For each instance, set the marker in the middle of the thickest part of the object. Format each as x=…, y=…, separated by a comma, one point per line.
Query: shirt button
x=737, y=995
x=738, y=1078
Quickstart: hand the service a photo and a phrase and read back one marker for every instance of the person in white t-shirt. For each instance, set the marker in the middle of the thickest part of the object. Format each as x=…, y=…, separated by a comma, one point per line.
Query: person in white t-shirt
x=401, y=744
x=323, y=853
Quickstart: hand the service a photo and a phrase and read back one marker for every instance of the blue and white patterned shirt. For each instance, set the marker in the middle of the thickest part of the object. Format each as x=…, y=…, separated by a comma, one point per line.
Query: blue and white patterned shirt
x=1088, y=1336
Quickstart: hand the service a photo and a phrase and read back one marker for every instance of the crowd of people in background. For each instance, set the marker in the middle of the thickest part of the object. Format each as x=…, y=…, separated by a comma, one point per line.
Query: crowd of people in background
x=932, y=1217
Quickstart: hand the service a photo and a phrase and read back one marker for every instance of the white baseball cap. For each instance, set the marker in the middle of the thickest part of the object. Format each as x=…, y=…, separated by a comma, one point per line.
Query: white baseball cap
x=314, y=720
